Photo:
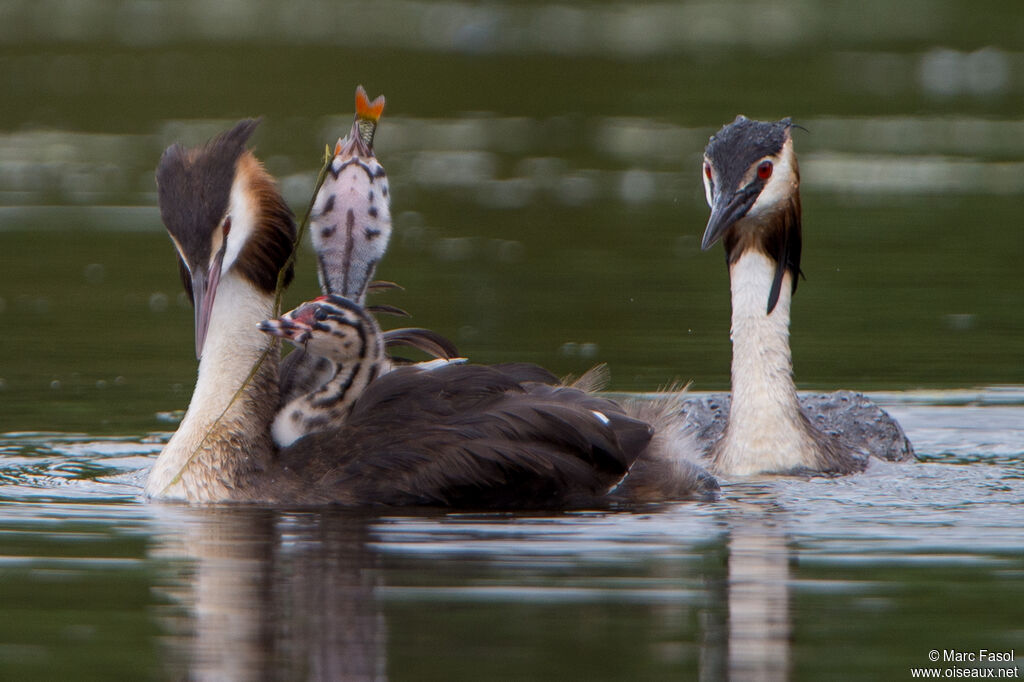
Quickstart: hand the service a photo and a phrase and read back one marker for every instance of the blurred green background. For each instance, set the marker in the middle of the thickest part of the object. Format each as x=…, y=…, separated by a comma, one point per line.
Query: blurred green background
x=545, y=170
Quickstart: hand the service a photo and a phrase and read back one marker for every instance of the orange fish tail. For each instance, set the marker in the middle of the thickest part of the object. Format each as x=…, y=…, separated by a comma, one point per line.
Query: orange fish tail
x=365, y=109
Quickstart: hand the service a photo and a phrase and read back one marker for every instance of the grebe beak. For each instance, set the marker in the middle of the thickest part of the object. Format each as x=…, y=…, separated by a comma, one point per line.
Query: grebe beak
x=204, y=291
x=725, y=211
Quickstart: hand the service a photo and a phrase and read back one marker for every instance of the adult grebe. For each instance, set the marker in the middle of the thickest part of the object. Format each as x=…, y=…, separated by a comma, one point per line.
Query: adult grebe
x=752, y=184
x=507, y=436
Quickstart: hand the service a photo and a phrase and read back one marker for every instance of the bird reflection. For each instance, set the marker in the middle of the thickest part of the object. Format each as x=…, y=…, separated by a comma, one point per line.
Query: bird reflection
x=271, y=595
x=758, y=596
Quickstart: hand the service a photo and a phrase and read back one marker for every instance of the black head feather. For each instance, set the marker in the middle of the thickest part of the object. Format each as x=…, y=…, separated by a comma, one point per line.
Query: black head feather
x=732, y=151
x=194, y=188
x=734, y=148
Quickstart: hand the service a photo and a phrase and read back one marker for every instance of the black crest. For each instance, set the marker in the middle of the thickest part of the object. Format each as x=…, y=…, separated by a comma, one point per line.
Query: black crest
x=739, y=144
x=732, y=151
x=194, y=188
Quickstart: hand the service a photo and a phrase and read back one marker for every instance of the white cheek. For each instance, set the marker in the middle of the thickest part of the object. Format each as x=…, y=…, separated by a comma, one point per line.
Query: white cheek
x=707, y=186
x=243, y=220
x=781, y=185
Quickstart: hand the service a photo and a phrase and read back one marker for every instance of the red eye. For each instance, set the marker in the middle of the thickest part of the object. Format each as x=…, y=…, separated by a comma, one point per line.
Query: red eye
x=707, y=171
x=227, y=226
x=764, y=169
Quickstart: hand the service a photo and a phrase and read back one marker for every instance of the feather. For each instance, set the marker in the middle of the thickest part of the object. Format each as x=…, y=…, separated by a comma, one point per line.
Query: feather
x=428, y=341
x=476, y=436
x=387, y=310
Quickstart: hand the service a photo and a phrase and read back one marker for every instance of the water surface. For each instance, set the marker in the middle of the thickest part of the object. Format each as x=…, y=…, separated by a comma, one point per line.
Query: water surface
x=545, y=164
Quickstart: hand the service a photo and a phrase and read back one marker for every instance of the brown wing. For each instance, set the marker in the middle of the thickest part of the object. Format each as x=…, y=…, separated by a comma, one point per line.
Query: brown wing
x=471, y=436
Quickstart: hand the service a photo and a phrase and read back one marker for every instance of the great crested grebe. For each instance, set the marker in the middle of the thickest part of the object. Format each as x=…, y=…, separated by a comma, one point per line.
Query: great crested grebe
x=752, y=184
x=345, y=335
x=505, y=436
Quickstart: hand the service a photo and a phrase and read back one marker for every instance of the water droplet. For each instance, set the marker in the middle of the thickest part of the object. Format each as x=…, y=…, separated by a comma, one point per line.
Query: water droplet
x=119, y=380
x=101, y=384
x=589, y=350
x=569, y=349
x=55, y=384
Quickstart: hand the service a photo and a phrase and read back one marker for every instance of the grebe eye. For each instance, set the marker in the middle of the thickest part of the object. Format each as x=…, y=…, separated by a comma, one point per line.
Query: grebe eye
x=227, y=226
x=764, y=169
x=707, y=171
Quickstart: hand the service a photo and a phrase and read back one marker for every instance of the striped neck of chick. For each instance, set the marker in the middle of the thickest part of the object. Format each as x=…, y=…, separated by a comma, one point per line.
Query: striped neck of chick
x=346, y=339
x=351, y=217
x=233, y=234
x=752, y=184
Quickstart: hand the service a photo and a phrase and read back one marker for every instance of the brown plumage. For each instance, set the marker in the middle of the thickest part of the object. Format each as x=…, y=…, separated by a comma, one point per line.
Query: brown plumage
x=467, y=436
x=497, y=437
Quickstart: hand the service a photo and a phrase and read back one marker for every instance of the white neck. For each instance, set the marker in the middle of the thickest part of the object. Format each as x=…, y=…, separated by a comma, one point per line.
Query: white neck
x=766, y=430
x=223, y=437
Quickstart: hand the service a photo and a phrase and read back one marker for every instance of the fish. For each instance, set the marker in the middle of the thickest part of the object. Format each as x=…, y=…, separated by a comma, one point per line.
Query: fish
x=350, y=221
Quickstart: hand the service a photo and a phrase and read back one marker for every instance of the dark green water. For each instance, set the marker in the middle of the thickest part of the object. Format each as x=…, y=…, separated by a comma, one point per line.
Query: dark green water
x=544, y=161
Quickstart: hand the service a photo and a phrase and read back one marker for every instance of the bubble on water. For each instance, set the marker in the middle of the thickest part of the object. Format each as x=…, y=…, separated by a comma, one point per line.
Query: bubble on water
x=55, y=384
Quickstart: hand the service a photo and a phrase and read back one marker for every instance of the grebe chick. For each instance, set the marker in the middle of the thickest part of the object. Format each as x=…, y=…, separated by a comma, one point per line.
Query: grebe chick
x=752, y=184
x=346, y=336
x=468, y=436
x=350, y=225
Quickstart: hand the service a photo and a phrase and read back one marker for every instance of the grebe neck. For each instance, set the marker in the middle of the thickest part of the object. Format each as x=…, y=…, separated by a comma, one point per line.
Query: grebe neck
x=224, y=437
x=766, y=430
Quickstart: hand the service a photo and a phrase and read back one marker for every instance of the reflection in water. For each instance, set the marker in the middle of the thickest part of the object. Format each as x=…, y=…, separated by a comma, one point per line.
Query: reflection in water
x=759, y=618
x=295, y=595
x=272, y=595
